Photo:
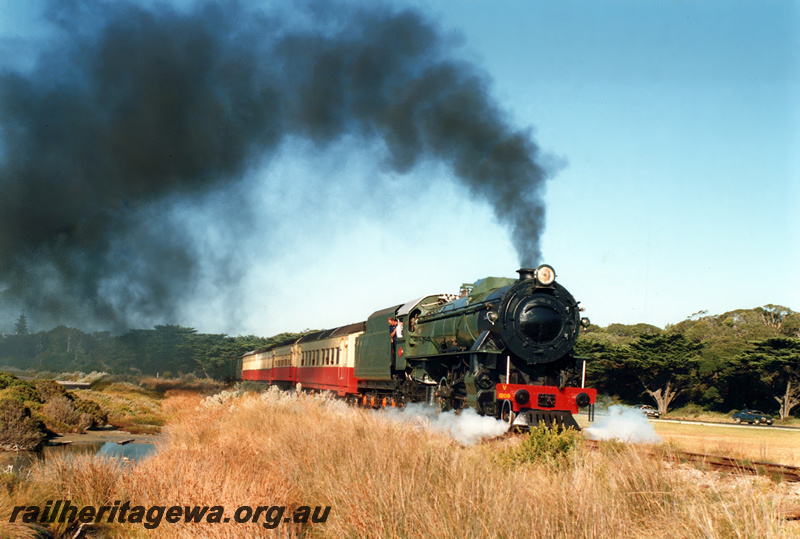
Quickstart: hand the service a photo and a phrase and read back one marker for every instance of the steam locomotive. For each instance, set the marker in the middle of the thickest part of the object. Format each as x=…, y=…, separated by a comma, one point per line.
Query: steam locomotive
x=502, y=346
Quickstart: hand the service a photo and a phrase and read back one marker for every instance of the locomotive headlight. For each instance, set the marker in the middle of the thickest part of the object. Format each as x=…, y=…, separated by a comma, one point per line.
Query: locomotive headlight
x=545, y=274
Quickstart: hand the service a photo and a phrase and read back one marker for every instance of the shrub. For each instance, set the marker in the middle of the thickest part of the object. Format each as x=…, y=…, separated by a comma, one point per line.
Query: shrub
x=546, y=446
x=9, y=380
x=62, y=410
x=97, y=415
x=12, y=387
x=18, y=430
x=689, y=410
x=50, y=389
x=24, y=393
x=188, y=381
x=9, y=481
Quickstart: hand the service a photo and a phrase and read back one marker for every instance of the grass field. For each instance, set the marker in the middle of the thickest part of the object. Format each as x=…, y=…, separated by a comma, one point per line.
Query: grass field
x=129, y=407
x=781, y=446
x=764, y=443
x=384, y=478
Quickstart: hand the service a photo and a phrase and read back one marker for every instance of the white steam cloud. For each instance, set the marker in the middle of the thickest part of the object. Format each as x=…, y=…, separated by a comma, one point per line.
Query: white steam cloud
x=466, y=427
x=624, y=424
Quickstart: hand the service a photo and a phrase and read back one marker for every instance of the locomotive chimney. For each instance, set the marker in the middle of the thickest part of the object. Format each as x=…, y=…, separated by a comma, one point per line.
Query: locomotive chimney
x=526, y=273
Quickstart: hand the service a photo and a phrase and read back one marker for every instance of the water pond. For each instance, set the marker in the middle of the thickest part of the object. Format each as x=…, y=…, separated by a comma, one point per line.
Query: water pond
x=20, y=462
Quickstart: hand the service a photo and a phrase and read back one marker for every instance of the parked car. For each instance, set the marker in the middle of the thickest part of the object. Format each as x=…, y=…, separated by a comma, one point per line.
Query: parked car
x=647, y=410
x=752, y=416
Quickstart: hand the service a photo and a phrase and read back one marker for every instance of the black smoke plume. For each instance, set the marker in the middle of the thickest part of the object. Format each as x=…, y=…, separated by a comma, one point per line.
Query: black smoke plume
x=133, y=108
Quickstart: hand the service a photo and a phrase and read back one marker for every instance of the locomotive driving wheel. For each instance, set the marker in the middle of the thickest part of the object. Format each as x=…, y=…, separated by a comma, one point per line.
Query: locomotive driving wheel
x=507, y=413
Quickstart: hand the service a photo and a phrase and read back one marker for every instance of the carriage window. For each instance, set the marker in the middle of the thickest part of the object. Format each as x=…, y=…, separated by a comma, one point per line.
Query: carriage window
x=337, y=356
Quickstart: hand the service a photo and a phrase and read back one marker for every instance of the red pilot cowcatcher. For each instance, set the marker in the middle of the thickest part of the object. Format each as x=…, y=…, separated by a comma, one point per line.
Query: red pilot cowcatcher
x=525, y=397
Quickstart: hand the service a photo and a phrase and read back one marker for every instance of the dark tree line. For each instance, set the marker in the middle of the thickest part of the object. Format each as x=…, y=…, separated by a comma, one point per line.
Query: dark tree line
x=741, y=359
x=163, y=350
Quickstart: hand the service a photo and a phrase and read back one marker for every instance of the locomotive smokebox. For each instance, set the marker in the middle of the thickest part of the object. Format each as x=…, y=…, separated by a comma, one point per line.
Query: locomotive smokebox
x=526, y=273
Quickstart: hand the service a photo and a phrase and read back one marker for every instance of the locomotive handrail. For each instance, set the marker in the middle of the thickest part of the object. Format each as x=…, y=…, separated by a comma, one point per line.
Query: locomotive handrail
x=454, y=312
x=456, y=353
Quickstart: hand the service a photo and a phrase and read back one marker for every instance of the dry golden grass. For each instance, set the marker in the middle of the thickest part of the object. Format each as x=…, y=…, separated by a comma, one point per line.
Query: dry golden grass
x=763, y=443
x=389, y=479
x=206, y=386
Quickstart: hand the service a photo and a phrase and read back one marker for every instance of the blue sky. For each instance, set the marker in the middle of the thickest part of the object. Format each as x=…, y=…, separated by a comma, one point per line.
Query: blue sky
x=679, y=124
x=674, y=129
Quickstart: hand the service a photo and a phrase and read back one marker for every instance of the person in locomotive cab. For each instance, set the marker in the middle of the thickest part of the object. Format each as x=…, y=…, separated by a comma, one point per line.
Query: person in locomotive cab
x=393, y=325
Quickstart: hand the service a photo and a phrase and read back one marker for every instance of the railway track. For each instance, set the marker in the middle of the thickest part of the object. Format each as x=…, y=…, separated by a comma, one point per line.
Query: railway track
x=778, y=472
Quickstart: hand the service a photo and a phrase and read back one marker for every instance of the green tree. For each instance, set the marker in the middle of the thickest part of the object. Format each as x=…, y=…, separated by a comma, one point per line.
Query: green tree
x=774, y=315
x=607, y=366
x=665, y=364
x=21, y=327
x=777, y=361
x=791, y=325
